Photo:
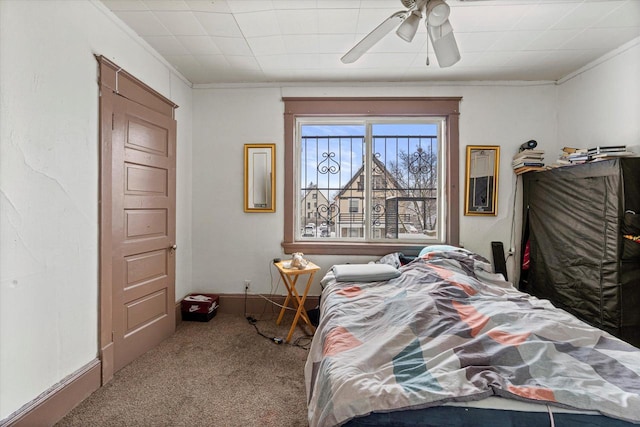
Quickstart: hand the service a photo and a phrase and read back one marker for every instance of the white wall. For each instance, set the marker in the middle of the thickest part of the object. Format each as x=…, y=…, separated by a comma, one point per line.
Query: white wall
x=600, y=105
x=49, y=185
x=231, y=245
x=49, y=172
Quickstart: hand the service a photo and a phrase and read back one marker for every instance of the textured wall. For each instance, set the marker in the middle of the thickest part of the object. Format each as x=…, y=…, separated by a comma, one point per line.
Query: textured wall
x=601, y=105
x=49, y=185
x=225, y=119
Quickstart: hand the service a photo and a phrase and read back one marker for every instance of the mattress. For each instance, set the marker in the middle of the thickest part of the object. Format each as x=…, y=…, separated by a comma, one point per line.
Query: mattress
x=448, y=336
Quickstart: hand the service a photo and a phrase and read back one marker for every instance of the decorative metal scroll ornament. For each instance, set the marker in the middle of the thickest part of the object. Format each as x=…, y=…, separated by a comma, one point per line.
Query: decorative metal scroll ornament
x=329, y=213
x=376, y=168
x=329, y=167
x=377, y=214
x=419, y=163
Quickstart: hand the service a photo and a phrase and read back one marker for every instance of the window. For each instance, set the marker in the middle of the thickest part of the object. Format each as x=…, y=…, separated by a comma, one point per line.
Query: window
x=353, y=206
x=402, y=161
x=384, y=172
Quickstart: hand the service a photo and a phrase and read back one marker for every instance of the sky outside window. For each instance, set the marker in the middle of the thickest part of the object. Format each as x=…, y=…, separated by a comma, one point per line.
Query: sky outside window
x=330, y=163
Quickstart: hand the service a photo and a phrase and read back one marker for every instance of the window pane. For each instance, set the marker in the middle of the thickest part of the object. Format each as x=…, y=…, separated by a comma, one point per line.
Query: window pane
x=405, y=181
x=396, y=197
x=330, y=156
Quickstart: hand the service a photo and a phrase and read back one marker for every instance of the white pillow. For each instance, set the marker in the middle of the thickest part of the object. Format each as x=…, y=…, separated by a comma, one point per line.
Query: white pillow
x=439, y=248
x=364, y=272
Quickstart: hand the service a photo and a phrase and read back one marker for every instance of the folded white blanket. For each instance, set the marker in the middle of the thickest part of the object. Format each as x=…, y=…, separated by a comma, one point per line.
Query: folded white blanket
x=364, y=272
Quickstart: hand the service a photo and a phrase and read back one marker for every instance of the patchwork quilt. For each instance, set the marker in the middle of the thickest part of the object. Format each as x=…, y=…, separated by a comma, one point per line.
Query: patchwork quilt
x=441, y=332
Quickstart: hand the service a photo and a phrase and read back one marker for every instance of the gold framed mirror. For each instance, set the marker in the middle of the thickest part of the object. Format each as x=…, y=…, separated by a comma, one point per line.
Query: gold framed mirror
x=481, y=180
x=259, y=177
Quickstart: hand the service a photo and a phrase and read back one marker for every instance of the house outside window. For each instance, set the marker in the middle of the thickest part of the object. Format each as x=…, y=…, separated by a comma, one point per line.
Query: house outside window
x=381, y=180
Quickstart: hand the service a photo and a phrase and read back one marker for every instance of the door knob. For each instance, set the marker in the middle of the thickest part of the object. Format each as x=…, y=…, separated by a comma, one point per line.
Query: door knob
x=173, y=248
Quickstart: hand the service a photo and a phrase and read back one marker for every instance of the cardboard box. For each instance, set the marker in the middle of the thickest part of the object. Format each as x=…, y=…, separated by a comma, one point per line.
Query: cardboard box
x=199, y=307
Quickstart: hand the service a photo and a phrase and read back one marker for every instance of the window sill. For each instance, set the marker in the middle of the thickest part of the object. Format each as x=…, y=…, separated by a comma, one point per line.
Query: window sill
x=344, y=248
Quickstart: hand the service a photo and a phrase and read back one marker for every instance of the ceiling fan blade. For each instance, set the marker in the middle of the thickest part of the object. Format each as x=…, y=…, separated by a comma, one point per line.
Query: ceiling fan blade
x=444, y=44
x=374, y=36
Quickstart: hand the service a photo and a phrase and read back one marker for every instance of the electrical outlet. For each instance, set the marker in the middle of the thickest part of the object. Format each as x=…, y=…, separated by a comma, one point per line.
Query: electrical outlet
x=512, y=251
x=247, y=284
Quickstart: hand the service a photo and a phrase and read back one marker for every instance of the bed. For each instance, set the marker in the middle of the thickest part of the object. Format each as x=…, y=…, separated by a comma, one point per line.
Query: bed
x=447, y=342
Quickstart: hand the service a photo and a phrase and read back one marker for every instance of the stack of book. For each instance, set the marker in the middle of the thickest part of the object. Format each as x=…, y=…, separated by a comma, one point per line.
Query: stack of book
x=603, y=152
x=576, y=156
x=527, y=161
x=573, y=156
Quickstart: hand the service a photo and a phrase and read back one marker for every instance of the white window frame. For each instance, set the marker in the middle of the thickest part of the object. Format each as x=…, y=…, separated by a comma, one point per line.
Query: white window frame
x=365, y=207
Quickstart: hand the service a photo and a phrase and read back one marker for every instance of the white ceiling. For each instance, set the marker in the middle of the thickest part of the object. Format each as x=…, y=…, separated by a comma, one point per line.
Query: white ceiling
x=234, y=41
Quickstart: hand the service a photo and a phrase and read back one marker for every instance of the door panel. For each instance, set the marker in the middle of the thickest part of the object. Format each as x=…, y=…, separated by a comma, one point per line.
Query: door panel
x=141, y=180
x=148, y=137
x=141, y=268
x=144, y=223
x=143, y=211
x=144, y=310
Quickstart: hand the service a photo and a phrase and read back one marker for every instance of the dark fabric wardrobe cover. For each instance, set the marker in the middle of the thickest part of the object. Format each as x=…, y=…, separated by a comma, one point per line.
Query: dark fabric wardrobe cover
x=579, y=259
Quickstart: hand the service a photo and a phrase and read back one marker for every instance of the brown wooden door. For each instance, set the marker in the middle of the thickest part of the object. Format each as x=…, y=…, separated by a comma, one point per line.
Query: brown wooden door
x=143, y=225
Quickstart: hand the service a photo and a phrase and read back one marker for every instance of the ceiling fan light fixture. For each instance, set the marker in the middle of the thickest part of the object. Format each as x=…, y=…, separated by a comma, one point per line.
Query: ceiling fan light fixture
x=437, y=12
x=444, y=44
x=407, y=30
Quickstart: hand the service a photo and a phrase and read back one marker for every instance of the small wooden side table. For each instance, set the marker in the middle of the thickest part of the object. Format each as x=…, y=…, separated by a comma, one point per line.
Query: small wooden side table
x=290, y=278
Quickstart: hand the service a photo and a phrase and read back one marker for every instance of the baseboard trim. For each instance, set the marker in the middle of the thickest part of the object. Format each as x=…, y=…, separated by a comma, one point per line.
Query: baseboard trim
x=178, y=311
x=255, y=304
x=52, y=405
x=107, y=356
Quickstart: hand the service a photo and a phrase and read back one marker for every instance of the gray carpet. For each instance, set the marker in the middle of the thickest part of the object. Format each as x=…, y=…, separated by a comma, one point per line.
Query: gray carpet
x=220, y=373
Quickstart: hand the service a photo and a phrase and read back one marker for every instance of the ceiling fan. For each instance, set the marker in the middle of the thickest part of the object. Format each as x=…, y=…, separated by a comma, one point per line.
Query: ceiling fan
x=436, y=14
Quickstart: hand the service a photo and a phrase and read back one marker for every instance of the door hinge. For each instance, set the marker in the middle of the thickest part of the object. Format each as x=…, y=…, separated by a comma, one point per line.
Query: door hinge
x=113, y=120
